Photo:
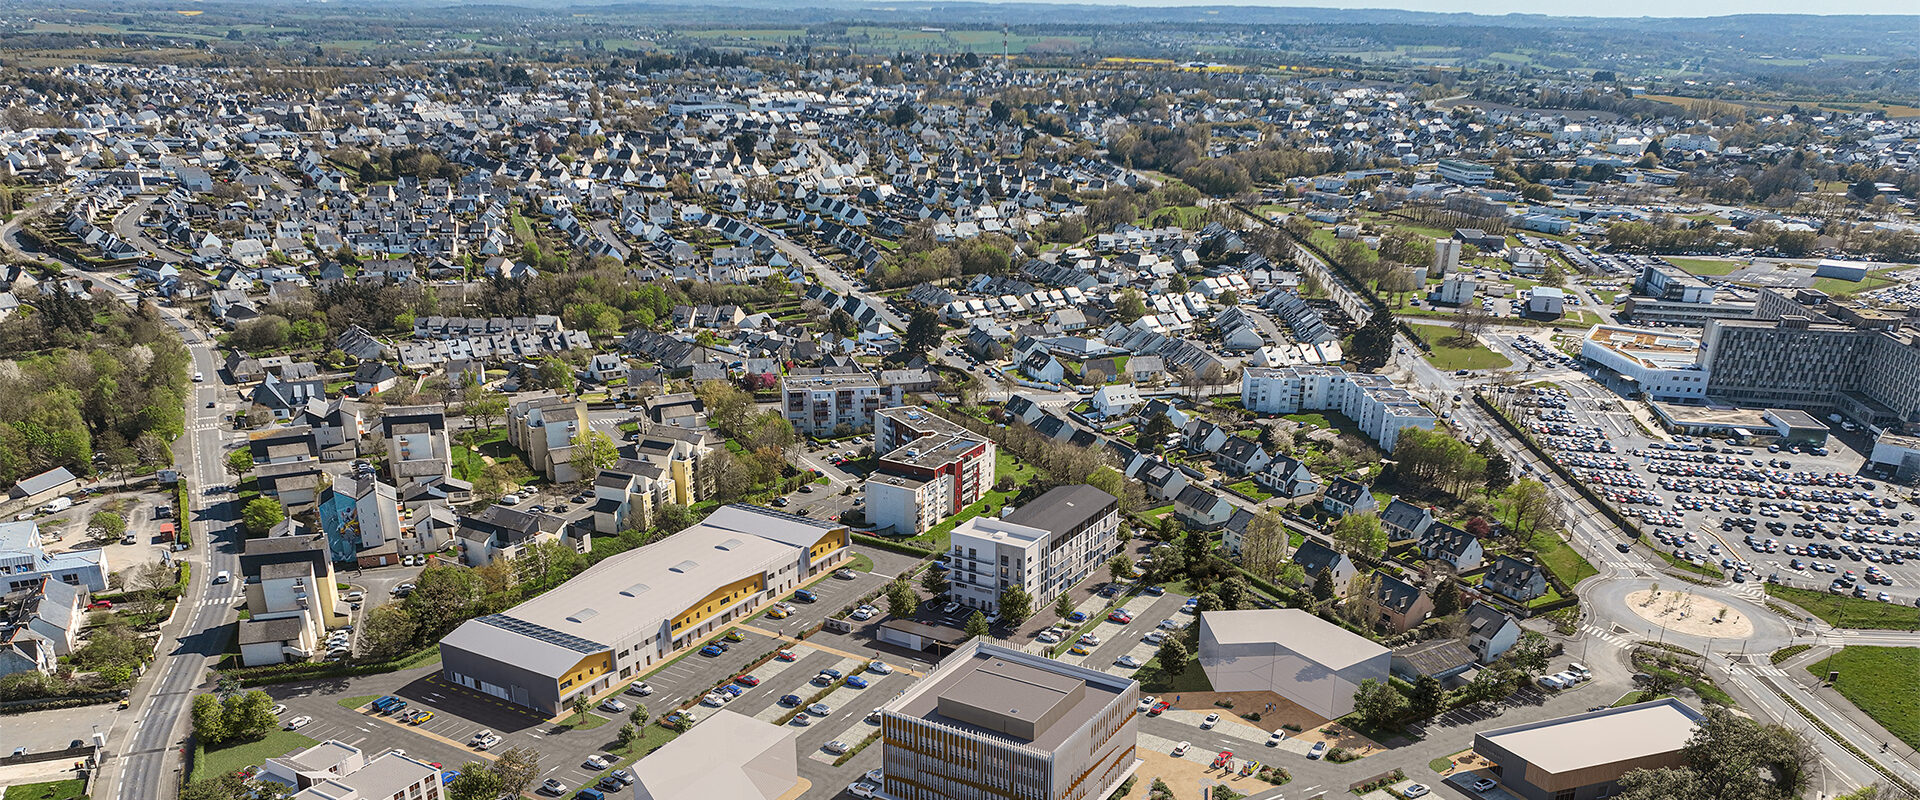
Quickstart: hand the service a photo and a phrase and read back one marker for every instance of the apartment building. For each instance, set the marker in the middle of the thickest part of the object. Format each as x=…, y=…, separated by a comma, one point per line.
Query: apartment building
x=931, y=469
x=1045, y=547
x=994, y=722
x=335, y=770
x=1465, y=173
x=638, y=608
x=1380, y=409
x=818, y=405
x=360, y=514
x=292, y=596
x=545, y=428
x=417, y=447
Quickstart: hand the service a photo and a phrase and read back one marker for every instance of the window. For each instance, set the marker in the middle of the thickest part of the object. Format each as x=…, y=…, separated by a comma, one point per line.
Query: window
x=1563, y=794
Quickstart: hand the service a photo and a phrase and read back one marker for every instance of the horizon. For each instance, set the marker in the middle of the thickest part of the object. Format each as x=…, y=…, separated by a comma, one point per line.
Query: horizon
x=1631, y=9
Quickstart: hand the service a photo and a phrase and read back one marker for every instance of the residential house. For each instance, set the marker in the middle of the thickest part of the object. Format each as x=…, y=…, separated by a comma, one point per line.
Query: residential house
x=1345, y=496
x=1518, y=580
x=1288, y=477
x=1404, y=521
x=1459, y=549
x=1490, y=631
x=1402, y=605
x=1240, y=456
x=1202, y=508
x=1315, y=558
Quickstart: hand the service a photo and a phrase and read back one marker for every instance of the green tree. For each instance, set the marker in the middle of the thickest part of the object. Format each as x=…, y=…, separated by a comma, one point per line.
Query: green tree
x=1207, y=601
x=209, y=720
x=106, y=525
x=387, y=632
x=1063, y=607
x=1529, y=654
x=977, y=624
x=1427, y=699
x=592, y=451
x=673, y=518
x=249, y=715
x=580, y=705
x=1129, y=306
x=934, y=582
x=1323, y=585
x=517, y=767
x=240, y=462
x=1198, y=547
x=1360, y=534
x=1446, y=598
x=1378, y=704
x=1119, y=568
x=1016, y=605
x=1173, y=656
x=262, y=514
x=639, y=716
x=627, y=734
x=923, y=331
x=902, y=601
x=1373, y=344
x=476, y=781
x=1499, y=471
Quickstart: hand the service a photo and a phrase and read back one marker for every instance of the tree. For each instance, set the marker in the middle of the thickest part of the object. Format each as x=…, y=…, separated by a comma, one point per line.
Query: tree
x=1235, y=593
x=1063, y=607
x=1109, y=480
x=1529, y=655
x=1323, y=585
x=106, y=525
x=1360, y=534
x=1532, y=506
x=476, y=781
x=1207, y=601
x=1378, y=704
x=1129, y=306
x=1173, y=656
x=1427, y=699
x=580, y=705
x=902, y=601
x=1119, y=568
x=1499, y=472
x=977, y=624
x=483, y=406
x=935, y=582
x=1730, y=757
x=592, y=451
x=1016, y=605
x=249, y=715
x=387, y=632
x=517, y=767
x=673, y=518
x=627, y=734
x=1373, y=343
x=1446, y=598
x=1488, y=684
x=1198, y=545
x=1264, y=544
x=209, y=720
x=240, y=462
x=262, y=514
x=923, y=331
x=639, y=716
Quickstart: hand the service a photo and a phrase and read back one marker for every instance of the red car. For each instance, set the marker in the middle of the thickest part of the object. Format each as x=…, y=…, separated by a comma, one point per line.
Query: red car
x=100, y=604
x=1120, y=617
x=1158, y=707
x=747, y=680
x=785, y=655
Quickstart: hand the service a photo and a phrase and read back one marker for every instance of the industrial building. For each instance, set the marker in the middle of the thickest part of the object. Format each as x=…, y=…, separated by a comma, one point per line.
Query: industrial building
x=995, y=722
x=727, y=755
x=1292, y=653
x=637, y=608
x=1582, y=757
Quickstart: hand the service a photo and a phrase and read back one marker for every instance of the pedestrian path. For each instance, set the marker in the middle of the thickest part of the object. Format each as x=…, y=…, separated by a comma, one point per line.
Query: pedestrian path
x=1606, y=636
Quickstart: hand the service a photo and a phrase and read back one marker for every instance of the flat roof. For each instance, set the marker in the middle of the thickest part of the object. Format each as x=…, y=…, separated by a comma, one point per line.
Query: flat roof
x=1315, y=639
x=1597, y=738
x=1055, y=698
x=1653, y=349
x=1062, y=509
x=933, y=450
x=716, y=758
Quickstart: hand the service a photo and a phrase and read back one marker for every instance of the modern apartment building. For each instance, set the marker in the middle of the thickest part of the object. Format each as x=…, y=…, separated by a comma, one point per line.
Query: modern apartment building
x=818, y=405
x=931, y=469
x=639, y=607
x=417, y=447
x=292, y=596
x=1465, y=173
x=545, y=428
x=1045, y=547
x=993, y=722
x=1378, y=407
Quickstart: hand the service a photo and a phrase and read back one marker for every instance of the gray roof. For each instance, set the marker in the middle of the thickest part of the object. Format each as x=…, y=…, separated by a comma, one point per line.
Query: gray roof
x=51, y=479
x=1063, y=509
x=1435, y=656
x=1598, y=738
x=262, y=631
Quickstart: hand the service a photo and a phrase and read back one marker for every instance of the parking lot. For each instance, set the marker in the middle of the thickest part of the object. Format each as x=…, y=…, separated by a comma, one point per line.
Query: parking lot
x=1756, y=510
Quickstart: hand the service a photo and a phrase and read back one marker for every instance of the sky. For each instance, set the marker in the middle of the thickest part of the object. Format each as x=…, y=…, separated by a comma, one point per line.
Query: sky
x=1614, y=8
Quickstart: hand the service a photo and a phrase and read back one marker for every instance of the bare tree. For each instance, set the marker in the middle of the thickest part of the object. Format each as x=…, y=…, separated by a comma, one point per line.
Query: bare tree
x=1263, y=547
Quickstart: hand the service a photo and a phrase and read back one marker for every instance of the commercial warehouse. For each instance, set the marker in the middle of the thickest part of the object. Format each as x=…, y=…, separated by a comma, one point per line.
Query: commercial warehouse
x=1582, y=757
x=1292, y=653
x=639, y=607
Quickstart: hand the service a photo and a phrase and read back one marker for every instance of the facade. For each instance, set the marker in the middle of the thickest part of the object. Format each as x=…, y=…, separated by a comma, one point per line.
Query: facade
x=1664, y=366
x=1292, y=653
x=932, y=470
x=1582, y=757
x=818, y=405
x=1379, y=408
x=1446, y=257
x=1045, y=547
x=994, y=722
x=417, y=446
x=1868, y=374
x=1464, y=172
x=39, y=624
x=292, y=596
x=639, y=607
x=335, y=770
x=24, y=561
x=727, y=755
x=359, y=514
x=37, y=489
x=545, y=428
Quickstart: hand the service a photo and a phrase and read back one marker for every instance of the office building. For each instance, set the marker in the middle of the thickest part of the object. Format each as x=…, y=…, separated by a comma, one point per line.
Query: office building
x=1379, y=408
x=994, y=722
x=818, y=405
x=24, y=561
x=1465, y=173
x=727, y=755
x=335, y=770
x=545, y=429
x=1661, y=366
x=1868, y=374
x=931, y=469
x=1045, y=547
x=637, y=608
x=1582, y=757
x=1292, y=653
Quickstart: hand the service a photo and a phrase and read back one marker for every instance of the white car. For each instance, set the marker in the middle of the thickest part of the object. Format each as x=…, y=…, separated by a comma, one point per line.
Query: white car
x=1090, y=640
x=1483, y=784
x=836, y=747
x=880, y=668
x=1415, y=790
x=298, y=722
x=1048, y=637
x=613, y=705
x=1146, y=704
x=714, y=699
x=862, y=613
x=1551, y=682
x=1155, y=637
x=278, y=709
x=1129, y=662
x=1209, y=722
x=1169, y=624
x=1181, y=749
x=594, y=762
x=510, y=500
x=862, y=789
x=1275, y=739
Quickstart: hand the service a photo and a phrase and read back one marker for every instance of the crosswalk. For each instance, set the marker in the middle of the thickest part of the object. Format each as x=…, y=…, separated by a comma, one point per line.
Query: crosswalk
x=1606, y=636
x=1750, y=590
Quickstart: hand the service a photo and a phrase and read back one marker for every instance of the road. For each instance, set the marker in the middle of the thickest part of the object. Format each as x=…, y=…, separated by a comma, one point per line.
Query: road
x=126, y=225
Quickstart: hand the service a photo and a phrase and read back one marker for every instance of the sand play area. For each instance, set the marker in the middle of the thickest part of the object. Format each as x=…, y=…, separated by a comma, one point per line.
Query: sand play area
x=1689, y=613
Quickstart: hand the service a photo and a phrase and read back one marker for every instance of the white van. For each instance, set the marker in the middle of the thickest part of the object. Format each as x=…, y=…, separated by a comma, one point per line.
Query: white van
x=222, y=577
x=1580, y=670
x=57, y=505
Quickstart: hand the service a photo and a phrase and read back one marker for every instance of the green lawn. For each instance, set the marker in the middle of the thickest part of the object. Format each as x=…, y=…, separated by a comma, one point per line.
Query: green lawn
x=1005, y=465
x=357, y=701
x=583, y=722
x=239, y=756
x=1562, y=559
x=1874, y=280
x=1250, y=489
x=1880, y=681
x=1153, y=679
x=1841, y=611
x=74, y=789
x=1312, y=418
x=1447, y=355
x=1700, y=266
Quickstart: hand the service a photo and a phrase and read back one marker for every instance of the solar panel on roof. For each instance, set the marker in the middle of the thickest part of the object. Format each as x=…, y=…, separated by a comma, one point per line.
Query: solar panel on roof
x=542, y=633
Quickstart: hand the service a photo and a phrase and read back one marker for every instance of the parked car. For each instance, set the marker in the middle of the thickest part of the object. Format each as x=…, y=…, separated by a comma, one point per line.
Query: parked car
x=1319, y=749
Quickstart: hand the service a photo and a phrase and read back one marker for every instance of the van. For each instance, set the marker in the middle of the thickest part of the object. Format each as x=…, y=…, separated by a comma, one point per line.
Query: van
x=57, y=505
x=1580, y=670
x=222, y=577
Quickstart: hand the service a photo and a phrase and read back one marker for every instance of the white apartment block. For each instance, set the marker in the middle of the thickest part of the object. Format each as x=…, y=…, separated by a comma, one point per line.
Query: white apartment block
x=930, y=470
x=1380, y=409
x=819, y=404
x=1045, y=547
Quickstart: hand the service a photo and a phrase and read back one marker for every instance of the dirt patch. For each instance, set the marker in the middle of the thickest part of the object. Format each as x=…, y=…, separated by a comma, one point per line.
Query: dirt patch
x=1691, y=614
x=1340, y=736
x=1188, y=780
x=1465, y=761
x=1274, y=710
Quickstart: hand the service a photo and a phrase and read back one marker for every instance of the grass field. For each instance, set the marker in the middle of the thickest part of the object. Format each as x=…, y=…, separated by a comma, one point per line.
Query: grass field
x=1877, y=679
x=1850, y=612
x=236, y=757
x=1448, y=356
x=75, y=789
x=1700, y=266
x=1875, y=280
x=1562, y=559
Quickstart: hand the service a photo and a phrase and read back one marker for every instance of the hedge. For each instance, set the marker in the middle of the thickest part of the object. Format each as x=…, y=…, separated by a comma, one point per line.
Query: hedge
x=23, y=706
x=891, y=546
x=182, y=531
x=288, y=673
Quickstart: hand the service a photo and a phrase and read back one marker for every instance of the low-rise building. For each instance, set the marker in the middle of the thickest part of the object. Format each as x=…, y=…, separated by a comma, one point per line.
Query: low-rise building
x=727, y=755
x=1581, y=757
x=1661, y=366
x=818, y=405
x=292, y=597
x=934, y=469
x=25, y=562
x=335, y=770
x=545, y=428
x=1292, y=653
